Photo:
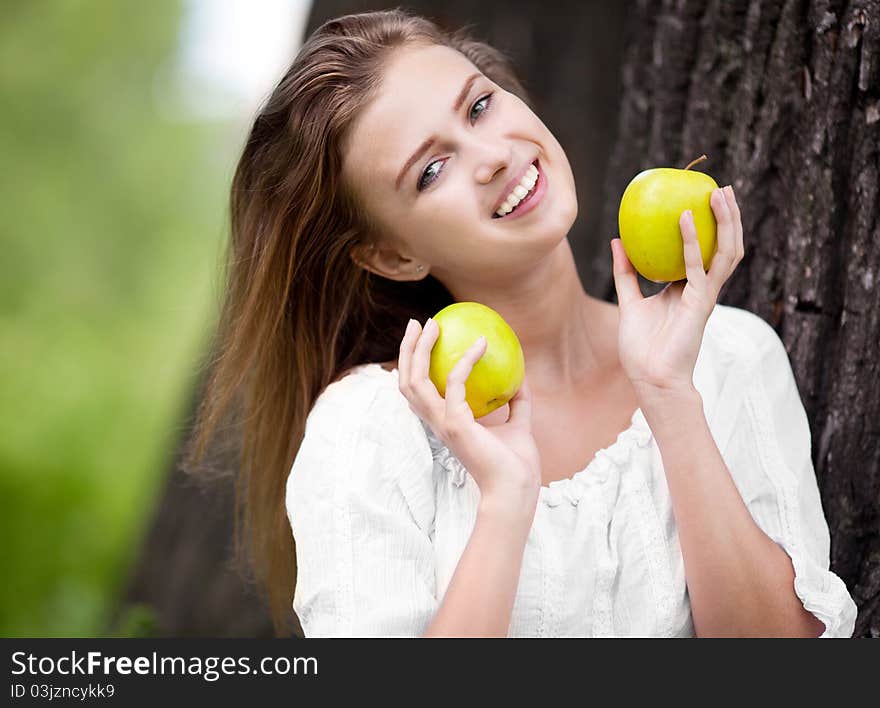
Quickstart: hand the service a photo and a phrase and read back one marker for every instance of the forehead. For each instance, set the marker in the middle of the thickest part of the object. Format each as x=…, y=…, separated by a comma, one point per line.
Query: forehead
x=417, y=88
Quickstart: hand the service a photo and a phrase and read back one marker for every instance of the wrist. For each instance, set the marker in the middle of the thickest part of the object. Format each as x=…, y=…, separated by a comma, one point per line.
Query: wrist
x=672, y=413
x=660, y=399
x=510, y=508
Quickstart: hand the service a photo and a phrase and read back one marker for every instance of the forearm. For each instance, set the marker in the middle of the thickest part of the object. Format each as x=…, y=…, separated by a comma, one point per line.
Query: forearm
x=740, y=583
x=479, y=599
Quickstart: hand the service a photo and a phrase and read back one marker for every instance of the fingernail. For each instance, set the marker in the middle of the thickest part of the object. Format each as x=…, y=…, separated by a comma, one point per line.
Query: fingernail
x=429, y=323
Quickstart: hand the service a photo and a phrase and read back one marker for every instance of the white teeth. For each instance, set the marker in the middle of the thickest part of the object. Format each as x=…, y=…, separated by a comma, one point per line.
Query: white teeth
x=519, y=192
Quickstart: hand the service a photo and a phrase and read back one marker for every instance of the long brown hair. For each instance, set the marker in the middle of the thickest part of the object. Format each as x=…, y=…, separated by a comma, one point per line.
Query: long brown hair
x=297, y=311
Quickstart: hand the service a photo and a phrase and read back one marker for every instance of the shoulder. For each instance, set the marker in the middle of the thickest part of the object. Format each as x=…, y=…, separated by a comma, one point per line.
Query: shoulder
x=739, y=352
x=744, y=337
x=365, y=401
x=361, y=434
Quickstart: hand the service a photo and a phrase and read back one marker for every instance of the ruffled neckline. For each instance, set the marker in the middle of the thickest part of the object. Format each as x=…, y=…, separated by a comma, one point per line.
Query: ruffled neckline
x=615, y=455
x=570, y=489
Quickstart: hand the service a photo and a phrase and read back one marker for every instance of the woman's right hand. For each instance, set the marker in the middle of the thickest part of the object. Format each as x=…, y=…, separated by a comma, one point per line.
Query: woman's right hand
x=503, y=459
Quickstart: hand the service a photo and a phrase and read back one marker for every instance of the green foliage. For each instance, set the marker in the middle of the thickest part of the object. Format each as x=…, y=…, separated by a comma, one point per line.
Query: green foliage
x=113, y=216
x=137, y=620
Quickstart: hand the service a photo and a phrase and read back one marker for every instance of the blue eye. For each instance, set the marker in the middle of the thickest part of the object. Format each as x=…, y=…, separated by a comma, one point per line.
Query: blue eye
x=430, y=175
x=488, y=99
x=424, y=180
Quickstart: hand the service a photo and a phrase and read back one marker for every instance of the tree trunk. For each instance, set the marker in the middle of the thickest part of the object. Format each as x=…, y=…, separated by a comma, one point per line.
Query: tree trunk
x=784, y=98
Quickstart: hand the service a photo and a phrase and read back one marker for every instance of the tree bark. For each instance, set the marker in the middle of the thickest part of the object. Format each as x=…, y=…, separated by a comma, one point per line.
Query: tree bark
x=784, y=98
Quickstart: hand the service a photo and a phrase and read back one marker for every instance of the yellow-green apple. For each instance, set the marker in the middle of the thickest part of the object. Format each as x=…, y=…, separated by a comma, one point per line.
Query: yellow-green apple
x=649, y=220
x=497, y=375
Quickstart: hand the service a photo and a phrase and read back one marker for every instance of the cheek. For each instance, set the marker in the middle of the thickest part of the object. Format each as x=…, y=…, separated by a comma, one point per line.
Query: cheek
x=455, y=205
x=453, y=231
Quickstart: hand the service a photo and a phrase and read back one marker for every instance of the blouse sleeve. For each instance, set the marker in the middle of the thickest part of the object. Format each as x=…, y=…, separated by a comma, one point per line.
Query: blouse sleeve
x=360, y=501
x=769, y=457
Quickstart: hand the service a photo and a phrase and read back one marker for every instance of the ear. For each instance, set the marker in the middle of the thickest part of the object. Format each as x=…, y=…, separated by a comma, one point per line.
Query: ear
x=387, y=262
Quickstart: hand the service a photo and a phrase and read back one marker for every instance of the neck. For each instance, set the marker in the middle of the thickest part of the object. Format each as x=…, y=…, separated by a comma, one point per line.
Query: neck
x=560, y=327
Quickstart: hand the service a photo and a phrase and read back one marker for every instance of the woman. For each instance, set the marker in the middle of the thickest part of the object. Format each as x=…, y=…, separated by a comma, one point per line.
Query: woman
x=376, y=187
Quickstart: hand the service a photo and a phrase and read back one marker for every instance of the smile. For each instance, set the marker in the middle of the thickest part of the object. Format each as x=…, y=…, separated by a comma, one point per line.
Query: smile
x=525, y=196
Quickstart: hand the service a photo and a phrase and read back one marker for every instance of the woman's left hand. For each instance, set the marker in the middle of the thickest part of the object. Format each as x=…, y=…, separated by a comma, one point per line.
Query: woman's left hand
x=659, y=337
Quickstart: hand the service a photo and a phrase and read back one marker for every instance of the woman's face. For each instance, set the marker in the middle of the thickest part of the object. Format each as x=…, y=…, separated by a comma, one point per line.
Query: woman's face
x=455, y=141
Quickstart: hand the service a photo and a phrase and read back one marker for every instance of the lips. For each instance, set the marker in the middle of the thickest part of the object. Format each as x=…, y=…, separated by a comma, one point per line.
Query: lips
x=532, y=200
x=508, y=188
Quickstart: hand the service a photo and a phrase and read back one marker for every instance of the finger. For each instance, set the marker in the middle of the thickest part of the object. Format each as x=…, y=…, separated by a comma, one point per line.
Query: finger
x=722, y=262
x=422, y=387
x=737, y=223
x=693, y=259
x=626, y=282
x=456, y=403
x=407, y=344
x=521, y=405
x=421, y=359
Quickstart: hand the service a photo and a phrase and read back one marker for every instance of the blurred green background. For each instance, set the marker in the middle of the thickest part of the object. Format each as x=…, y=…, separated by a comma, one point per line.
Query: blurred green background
x=113, y=221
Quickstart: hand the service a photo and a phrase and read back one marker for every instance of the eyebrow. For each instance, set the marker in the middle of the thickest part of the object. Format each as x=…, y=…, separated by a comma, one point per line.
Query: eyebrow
x=465, y=90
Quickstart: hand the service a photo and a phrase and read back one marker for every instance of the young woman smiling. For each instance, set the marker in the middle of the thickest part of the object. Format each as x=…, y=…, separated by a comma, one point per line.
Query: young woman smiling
x=651, y=478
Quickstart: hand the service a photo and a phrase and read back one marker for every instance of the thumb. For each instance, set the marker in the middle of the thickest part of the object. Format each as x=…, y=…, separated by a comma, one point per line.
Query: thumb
x=521, y=405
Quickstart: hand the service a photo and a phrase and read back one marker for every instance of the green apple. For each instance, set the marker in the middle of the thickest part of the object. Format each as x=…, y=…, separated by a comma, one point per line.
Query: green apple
x=649, y=220
x=497, y=375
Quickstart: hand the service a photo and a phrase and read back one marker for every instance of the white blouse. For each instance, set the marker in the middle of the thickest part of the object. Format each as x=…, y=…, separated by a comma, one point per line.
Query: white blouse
x=381, y=511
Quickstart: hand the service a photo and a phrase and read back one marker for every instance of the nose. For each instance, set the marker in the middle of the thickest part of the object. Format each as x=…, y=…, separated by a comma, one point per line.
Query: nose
x=491, y=159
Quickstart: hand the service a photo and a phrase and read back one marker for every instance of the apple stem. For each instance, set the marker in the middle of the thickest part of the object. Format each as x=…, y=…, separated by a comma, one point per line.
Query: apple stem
x=697, y=161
